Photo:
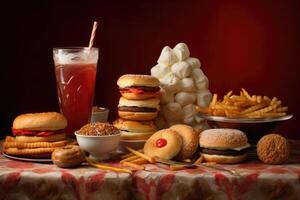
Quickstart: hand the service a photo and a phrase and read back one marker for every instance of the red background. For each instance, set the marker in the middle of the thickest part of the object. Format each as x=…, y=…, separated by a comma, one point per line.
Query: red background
x=253, y=44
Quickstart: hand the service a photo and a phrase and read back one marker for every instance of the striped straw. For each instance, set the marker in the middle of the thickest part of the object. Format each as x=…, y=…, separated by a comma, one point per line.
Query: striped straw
x=93, y=34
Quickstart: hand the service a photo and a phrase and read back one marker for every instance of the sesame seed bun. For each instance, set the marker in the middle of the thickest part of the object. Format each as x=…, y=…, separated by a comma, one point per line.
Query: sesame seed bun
x=128, y=80
x=222, y=138
x=47, y=121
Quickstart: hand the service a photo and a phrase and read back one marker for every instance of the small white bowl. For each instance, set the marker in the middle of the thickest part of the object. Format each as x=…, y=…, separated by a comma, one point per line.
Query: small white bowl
x=99, y=114
x=99, y=147
x=134, y=144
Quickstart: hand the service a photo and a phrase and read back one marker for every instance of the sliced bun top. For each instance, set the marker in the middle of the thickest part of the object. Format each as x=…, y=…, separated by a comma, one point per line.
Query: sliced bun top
x=148, y=103
x=222, y=138
x=40, y=121
x=135, y=126
x=129, y=80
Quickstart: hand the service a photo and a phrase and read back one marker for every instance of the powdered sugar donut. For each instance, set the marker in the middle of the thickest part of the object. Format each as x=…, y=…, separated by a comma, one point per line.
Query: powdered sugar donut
x=203, y=98
x=172, y=111
x=202, y=84
x=193, y=62
x=166, y=96
x=159, y=71
x=171, y=83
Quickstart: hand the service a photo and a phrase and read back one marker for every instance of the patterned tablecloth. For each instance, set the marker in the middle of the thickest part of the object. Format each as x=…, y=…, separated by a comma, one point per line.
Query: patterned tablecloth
x=25, y=180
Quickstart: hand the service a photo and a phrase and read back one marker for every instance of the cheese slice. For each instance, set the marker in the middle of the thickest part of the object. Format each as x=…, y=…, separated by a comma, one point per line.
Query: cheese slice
x=236, y=148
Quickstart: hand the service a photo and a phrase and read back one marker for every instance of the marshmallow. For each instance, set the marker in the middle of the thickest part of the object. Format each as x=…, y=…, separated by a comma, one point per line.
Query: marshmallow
x=193, y=62
x=181, y=69
x=203, y=98
x=159, y=71
x=167, y=57
x=172, y=112
x=171, y=83
x=189, y=111
x=166, y=96
x=198, y=75
x=202, y=85
x=182, y=51
x=185, y=98
x=188, y=85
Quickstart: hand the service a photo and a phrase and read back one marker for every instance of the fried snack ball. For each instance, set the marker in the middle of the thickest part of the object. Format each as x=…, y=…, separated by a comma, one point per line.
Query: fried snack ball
x=273, y=149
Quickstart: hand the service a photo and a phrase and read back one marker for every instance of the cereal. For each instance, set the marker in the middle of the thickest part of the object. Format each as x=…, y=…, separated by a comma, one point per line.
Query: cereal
x=98, y=129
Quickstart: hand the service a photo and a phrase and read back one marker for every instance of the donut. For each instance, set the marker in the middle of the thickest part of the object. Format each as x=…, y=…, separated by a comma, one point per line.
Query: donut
x=68, y=156
x=273, y=149
x=189, y=140
x=165, y=143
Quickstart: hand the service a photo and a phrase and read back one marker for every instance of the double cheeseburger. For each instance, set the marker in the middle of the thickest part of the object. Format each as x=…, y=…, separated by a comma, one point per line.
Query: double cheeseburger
x=135, y=87
x=36, y=135
x=135, y=130
x=139, y=110
x=223, y=145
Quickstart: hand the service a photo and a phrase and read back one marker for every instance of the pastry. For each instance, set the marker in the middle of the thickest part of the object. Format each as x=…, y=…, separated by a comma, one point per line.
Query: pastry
x=68, y=156
x=165, y=143
x=273, y=149
x=189, y=140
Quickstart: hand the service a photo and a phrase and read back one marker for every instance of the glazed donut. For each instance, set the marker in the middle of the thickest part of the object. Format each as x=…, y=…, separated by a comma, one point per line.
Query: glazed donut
x=189, y=140
x=165, y=143
x=68, y=156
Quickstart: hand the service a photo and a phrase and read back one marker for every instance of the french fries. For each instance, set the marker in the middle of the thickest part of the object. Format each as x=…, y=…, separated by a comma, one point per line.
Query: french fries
x=106, y=167
x=244, y=106
x=148, y=158
x=199, y=160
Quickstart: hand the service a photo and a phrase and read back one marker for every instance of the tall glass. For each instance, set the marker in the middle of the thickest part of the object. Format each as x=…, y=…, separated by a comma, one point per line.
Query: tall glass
x=75, y=70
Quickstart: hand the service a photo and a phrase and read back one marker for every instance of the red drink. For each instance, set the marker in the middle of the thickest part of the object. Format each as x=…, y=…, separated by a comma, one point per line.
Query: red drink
x=75, y=71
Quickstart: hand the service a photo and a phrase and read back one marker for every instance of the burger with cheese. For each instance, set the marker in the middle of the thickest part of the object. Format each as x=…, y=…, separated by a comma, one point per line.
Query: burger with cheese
x=135, y=86
x=223, y=145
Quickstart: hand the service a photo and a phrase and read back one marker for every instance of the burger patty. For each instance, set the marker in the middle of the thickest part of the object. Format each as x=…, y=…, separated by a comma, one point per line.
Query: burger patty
x=224, y=152
x=144, y=88
x=136, y=109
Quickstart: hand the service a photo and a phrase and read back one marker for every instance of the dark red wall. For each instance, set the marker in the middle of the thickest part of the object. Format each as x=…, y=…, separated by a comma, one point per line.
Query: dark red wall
x=253, y=44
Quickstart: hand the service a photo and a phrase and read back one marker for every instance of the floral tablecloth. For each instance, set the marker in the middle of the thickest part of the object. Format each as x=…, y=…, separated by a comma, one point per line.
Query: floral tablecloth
x=25, y=180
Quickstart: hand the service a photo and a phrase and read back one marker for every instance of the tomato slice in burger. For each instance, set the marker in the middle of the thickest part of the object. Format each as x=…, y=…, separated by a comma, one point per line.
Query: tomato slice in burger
x=136, y=91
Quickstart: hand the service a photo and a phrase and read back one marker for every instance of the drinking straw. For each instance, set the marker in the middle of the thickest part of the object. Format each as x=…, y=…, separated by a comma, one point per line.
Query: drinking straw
x=93, y=34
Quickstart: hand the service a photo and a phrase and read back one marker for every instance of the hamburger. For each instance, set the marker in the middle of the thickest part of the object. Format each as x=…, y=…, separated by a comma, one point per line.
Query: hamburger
x=37, y=135
x=39, y=127
x=139, y=110
x=136, y=87
x=135, y=130
x=223, y=145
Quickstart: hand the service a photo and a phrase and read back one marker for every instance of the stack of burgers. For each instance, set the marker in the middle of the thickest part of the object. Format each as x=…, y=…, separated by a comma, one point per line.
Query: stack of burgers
x=138, y=106
x=37, y=135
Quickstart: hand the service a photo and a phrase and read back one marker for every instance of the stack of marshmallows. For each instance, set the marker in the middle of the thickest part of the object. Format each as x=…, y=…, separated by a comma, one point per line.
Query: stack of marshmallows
x=138, y=106
x=183, y=87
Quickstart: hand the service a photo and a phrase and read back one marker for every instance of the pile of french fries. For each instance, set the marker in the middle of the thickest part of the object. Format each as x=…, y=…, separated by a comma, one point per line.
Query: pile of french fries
x=244, y=106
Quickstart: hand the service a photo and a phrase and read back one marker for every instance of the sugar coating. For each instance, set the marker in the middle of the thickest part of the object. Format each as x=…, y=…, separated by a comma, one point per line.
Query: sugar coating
x=183, y=83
